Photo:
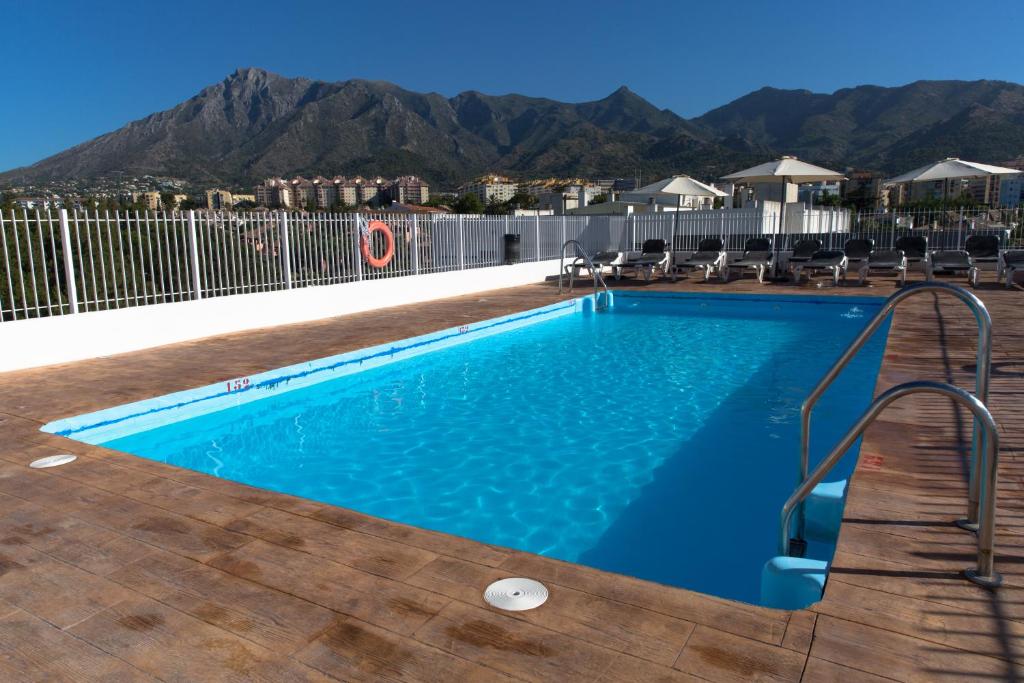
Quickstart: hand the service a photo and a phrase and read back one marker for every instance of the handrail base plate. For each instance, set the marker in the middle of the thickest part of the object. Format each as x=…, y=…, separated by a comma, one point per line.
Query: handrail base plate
x=993, y=581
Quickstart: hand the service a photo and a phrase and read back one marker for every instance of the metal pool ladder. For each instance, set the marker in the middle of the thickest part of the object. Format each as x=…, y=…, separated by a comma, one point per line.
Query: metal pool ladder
x=581, y=252
x=984, y=464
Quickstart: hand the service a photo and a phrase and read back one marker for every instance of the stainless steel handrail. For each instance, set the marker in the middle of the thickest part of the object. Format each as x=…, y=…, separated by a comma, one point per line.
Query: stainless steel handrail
x=580, y=251
x=982, y=370
x=984, y=574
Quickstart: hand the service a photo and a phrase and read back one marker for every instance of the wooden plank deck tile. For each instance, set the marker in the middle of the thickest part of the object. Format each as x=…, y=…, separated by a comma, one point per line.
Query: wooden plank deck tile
x=885, y=653
x=59, y=593
x=33, y=650
x=95, y=549
x=360, y=551
x=271, y=618
x=718, y=656
x=530, y=652
x=591, y=618
x=758, y=623
x=356, y=651
x=171, y=645
x=382, y=602
x=985, y=634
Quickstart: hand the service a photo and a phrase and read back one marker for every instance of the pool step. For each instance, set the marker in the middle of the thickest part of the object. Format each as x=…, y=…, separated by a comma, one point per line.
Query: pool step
x=796, y=582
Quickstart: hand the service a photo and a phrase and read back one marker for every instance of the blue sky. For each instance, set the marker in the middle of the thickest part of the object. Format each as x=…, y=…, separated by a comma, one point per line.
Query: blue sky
x=74, y=70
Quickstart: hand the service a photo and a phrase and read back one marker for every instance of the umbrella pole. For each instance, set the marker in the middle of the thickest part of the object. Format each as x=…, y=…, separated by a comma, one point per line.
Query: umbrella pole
x=778, y=233
x=675, y=225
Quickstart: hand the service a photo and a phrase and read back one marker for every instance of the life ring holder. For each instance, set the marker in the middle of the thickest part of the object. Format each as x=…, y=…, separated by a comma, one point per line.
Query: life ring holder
x=368, y=228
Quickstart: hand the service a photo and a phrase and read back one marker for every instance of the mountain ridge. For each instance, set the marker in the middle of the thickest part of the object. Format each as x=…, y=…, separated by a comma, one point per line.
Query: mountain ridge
x=255, y=124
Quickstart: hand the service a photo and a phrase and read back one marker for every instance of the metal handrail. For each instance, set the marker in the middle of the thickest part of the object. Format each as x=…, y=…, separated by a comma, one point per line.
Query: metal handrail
x=983, y=372
x=984, y=573
x=580, y=251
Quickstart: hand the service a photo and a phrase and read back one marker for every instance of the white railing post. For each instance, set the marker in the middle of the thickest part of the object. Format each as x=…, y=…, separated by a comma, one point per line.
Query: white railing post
x=286, y=251
x=69, y=262
x=462, y=244
x=193, y=256
x=355, y=243
x=415, y=246
x=536, y=230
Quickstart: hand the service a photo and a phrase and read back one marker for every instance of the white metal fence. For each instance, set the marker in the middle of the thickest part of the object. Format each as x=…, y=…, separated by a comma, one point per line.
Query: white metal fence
x=64, y=263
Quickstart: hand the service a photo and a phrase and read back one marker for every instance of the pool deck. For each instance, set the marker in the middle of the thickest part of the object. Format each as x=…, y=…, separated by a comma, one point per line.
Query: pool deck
x=119, y=568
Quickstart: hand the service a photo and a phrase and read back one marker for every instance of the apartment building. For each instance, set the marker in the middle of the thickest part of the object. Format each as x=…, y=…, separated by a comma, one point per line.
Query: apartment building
x=219, y=199
x=150, y=200
x=327, y=193
x=274, y=193
x=496, y=187
x=407, y=189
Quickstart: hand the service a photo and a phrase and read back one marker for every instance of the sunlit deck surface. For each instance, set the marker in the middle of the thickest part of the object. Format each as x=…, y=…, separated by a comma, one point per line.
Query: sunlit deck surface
x=119, y=568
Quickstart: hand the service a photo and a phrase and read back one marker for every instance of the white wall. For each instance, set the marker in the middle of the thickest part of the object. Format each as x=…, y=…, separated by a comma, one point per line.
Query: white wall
x=61, y=339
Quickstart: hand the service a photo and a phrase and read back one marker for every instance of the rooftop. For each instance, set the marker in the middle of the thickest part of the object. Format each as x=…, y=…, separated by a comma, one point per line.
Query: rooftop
x=128, y=568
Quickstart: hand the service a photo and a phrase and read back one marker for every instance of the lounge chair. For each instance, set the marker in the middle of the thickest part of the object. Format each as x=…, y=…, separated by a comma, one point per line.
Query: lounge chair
x=652, y=254
x=1013, y=261
x=832, y=260
x=984, y=249
x=858, y=254
x=915, y=250
x=710, y=258
x=757, y=254
x=601, y=259
x=954, y=261
x=889, y=260
x=802, y=252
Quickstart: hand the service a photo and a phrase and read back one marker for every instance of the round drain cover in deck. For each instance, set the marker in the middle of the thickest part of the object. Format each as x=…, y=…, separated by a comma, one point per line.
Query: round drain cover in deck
x=52, y=461
x=516, y=595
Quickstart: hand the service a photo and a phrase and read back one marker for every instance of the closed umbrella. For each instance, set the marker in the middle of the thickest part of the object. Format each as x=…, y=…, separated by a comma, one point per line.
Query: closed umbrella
x=785, y=170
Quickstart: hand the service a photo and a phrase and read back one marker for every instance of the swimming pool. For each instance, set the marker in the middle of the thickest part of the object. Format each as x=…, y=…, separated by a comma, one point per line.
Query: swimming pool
x=658, y=439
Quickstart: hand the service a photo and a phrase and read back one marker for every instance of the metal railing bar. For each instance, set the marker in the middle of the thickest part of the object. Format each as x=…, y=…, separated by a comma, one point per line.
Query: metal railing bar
x=983, y=373
x=984, y=572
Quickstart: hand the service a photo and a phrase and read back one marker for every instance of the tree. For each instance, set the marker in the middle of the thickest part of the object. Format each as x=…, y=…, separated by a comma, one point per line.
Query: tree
x=6, y=201
x=599, y=198
x=522, y=200
x=468, y=203
x=495, y=208
x=167, y=201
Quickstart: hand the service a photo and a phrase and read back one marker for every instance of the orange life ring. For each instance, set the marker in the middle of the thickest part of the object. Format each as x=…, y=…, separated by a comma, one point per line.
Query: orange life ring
x=389, y=249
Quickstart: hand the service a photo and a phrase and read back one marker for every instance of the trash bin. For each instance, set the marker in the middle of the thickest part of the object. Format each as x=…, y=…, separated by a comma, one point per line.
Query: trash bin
x=512, y=249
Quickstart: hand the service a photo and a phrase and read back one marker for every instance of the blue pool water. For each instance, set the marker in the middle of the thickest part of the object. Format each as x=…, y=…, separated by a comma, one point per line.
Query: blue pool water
x=658, y=440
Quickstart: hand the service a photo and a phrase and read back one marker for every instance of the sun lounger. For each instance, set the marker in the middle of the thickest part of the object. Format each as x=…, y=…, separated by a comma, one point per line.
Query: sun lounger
x=757, y=254
x=888, y=260
x=1013, y=261
x=954, y=261
x=858, y=253
x=710, y=258
x=832, y=260
x=915, y=250
x=803, y=251
x=601, y=259
x=652, y=254
x=984, y=250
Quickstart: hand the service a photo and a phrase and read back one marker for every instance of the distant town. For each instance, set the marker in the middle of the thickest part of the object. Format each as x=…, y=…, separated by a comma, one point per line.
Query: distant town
x=499, y=194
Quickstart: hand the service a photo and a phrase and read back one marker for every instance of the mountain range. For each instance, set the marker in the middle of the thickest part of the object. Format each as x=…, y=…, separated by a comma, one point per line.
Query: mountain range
x=255, y=124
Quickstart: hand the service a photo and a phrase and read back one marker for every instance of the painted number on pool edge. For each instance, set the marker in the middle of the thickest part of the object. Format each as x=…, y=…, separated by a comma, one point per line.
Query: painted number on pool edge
x=463, y=329
x=238, y=384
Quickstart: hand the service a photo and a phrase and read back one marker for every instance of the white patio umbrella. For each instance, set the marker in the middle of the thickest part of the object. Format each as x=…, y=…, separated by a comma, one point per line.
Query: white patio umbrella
x=785, y=170
x=680, y=186
x=950, y=169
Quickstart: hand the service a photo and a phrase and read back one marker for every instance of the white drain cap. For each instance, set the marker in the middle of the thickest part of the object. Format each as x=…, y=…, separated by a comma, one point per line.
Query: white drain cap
x=516, y=595
x=52, y=461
